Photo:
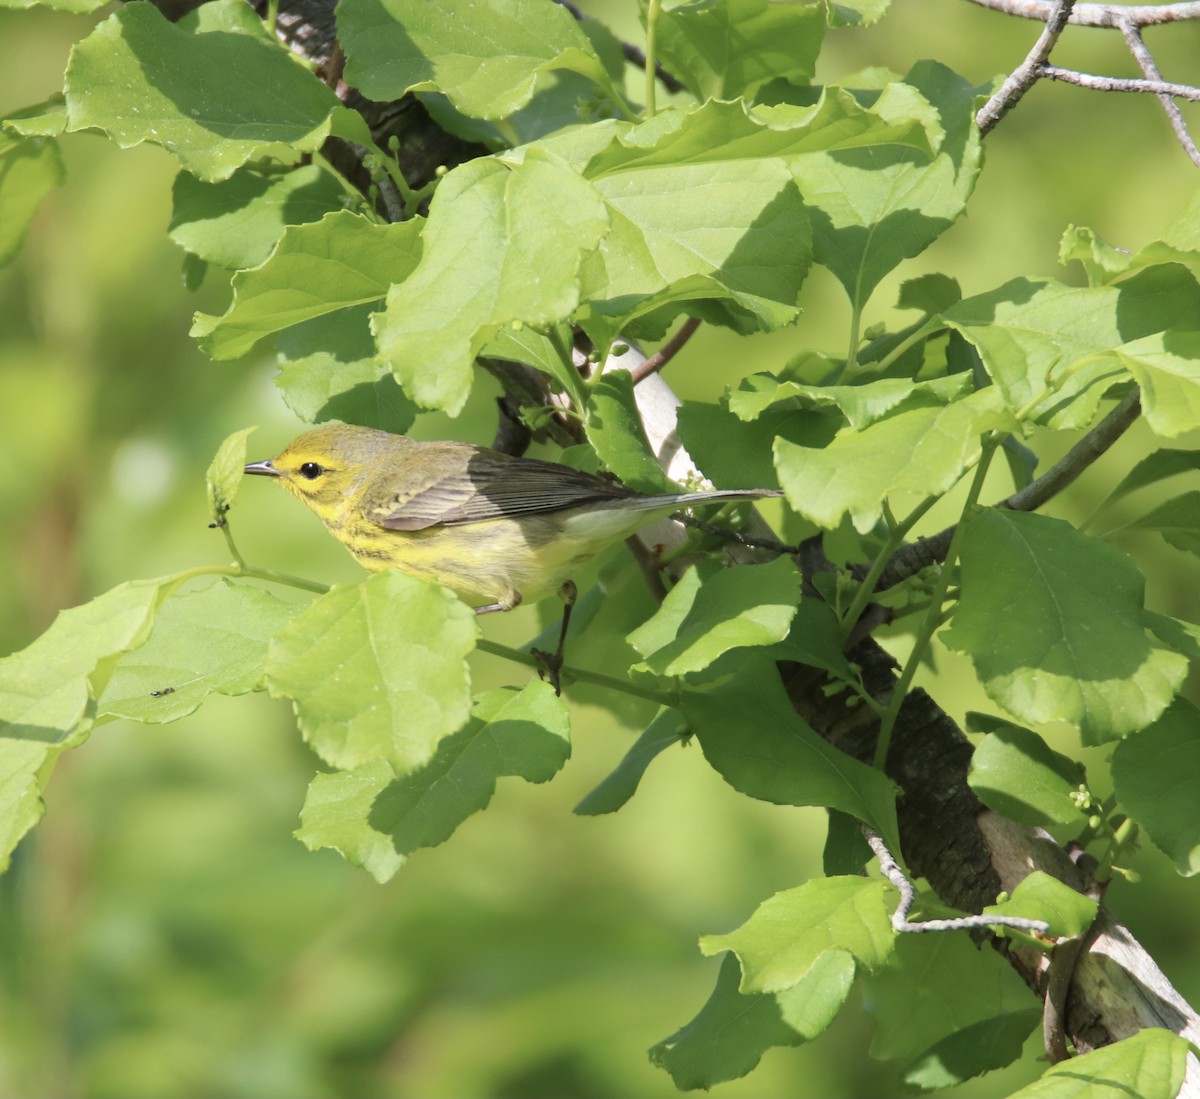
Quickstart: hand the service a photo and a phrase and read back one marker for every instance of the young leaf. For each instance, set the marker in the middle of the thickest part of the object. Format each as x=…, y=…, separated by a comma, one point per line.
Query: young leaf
x=340, y=262
x=1053, y=622
x=29, y=169
x=1016, y=773
x=210, y=640
x=527, y=228
x=916, y=454
x=790, y=932
x=485, y=59
x=1041, y=897
x=1156, y=775
x=225, y=475
x=375, y=819
x=1150, y=1064
x=237, y=222
x=376, y=670
x=712, y=611
x=617, y=788
x=1166, y=365
x=734, y=1029
x=981, y=1047
x=141, y=78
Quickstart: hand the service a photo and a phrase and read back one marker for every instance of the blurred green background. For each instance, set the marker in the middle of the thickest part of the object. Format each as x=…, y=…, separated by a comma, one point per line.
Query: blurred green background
x=161, y=933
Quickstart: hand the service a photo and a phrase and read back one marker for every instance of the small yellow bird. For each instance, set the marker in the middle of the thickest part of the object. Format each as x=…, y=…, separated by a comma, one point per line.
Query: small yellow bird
x=493, y=528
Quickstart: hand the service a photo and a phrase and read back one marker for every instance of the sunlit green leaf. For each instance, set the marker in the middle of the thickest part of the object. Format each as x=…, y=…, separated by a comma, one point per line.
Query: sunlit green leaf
x=29, y=169
x=1150, y=1065
x=1041, y=897
x=225, y=474
x=1016, y=773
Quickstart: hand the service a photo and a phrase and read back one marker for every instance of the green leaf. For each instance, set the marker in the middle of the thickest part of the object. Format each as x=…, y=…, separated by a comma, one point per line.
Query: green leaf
x=981, y=1047
x=756, y=741
x=855, y=13
x=1016, y=773
x=1038, y=896
x=376, y=819
x=733, y=1030
x=29, y=169
x=790, y=932
x=1166, y=365
x=1053, y=622
x=45, y=119
x=614, y=427
x=1183, y=637
x=816, y=639
x=205, y=641
x=526, y=228
x=48, y=692
x=339, y=262
x=931, y=987
x=225, y=475
x=236, y=222
x=376, y=670
x=328, y=371
x=617, y=788
x=862, y=405
x=914, y=454
x=1155, y=467
x=1157, y=779
x=932, y=293
x=730, y=48
x=1177, y=520
x=846, y=849
x=877, y=207
x=485, y=58
x=1150, y=1065
x=336, y=814
x=141, y=78
x=712, y=611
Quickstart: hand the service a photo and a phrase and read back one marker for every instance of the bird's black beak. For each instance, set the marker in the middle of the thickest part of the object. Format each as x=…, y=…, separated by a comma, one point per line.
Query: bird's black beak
x=263, y=469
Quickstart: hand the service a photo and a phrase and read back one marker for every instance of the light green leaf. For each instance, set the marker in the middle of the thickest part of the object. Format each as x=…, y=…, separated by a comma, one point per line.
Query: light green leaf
x=336, y=814
x=75, y=6
x=1041, y=897
x=1183, y=637
x=617, y=788
x=1157, y=779
x=981, y=1047
x=328, y=371
x=816, y=639
x=236, y=222
x=1167, y=367
x=29, y=169
x=485, y=58
x=711, y=611
x=913, y=454
x=614, y=427
x=45, y=119
x=48, y=692
x=1150, y=1065
x=730, y=48
x=376, y=820
x=1016, y=773
x=1155, y=467
x=225, y=475
x=733, y=1030
x=376, y=670
x=526, y=228
x=339, y=262
x=1053, y=622
x=855, y=13
x=205, y=641
x=141, y=78
x=862, y=405
x=878, y=207
x=755, y=740
x=789, y=933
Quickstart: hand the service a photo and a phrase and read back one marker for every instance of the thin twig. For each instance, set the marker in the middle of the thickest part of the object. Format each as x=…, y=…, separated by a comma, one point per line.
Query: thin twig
x=912, y=558
x=1097, y=15
x=632, y=54
x=1145, y=59
x=901, y=922
x=1118, y=83
x=667, y=352
x=1025, y=75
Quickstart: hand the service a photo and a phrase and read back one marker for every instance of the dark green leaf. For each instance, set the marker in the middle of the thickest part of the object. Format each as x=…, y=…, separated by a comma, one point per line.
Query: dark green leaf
x=1177, y=520
x=617, y=788
x=614, y=428
x=981, y=1047
x=1156, y=467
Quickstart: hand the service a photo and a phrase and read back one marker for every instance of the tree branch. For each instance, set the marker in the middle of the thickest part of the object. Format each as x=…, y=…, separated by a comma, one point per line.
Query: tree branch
x=667, y=352
x=1025, y=75
x=1145, y=59
x=1119, y=84
x=1097, y=15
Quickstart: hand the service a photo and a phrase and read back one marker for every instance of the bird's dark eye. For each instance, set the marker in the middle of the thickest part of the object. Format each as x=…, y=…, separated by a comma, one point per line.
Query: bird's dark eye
x=311, y=470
